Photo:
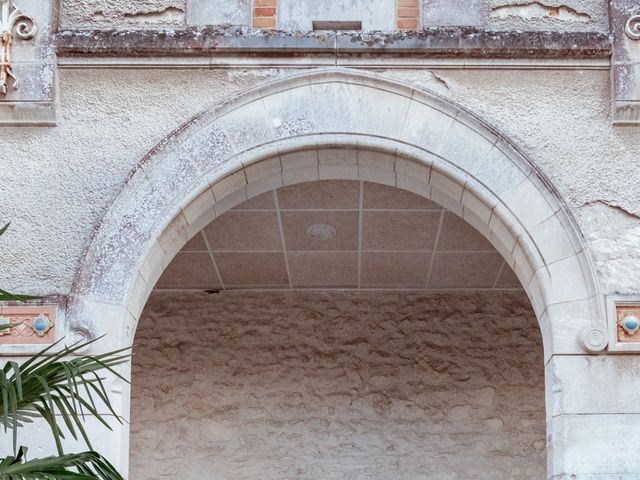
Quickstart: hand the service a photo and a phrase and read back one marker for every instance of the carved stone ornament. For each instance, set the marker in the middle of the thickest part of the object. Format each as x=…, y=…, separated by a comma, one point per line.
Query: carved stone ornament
x=41, y=325
x=630, y=324
x=28, y=325
x=12, y=23
x=594, y=340
x=623, y=318
x=632, y=28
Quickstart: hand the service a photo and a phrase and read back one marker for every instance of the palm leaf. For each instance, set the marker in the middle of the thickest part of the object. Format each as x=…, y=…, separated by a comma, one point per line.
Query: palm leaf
x=12, y=297
x=52, y=387
x=58, y=390
x=79, y=466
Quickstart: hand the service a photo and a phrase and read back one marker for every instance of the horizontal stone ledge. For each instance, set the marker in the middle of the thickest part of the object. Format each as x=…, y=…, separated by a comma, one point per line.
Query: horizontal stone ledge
x=429, y=43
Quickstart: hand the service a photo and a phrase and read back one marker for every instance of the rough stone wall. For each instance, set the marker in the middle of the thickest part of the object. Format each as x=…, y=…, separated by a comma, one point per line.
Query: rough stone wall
x=313, y=385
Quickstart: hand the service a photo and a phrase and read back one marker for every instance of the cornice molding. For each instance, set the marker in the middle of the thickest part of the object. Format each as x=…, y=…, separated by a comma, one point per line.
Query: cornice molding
x=429, y=43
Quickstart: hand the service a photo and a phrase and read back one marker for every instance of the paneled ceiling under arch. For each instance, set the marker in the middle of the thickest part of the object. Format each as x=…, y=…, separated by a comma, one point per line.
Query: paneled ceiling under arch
x=338, y=234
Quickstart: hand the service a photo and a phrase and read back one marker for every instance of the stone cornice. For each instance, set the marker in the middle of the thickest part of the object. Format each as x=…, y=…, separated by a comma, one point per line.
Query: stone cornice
x=430, y=43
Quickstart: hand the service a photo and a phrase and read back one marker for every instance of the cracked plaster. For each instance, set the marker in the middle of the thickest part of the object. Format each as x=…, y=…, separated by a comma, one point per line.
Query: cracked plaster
x=566, y=133
x=568, y=15
x=585, y=157
x=615, y=249
x=522, y=15
x=123, y=13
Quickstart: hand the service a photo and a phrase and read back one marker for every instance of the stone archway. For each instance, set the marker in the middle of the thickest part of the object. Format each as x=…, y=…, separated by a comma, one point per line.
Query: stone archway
x=401, y=137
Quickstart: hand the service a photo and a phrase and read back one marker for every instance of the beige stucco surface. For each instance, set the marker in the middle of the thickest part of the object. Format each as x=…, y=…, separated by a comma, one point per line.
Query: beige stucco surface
x=336, y=385
x=59, y=181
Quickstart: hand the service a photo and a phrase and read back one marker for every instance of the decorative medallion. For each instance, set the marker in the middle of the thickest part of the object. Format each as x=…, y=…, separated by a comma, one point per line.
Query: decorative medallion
x=41, y=325
x=628, y=323
x=30, y=324
x=12, y=23
x=632, y=28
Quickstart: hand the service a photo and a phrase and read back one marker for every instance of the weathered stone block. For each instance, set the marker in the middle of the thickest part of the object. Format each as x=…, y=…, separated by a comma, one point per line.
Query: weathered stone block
x=208, y=12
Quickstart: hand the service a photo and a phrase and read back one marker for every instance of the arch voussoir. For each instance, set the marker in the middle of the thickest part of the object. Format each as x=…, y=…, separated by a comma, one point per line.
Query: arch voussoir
x=337, y=124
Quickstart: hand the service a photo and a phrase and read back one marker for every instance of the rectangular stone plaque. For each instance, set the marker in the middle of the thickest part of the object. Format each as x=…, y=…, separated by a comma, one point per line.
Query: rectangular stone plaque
x=623, y=314
x=625, y=323
x=31, y=325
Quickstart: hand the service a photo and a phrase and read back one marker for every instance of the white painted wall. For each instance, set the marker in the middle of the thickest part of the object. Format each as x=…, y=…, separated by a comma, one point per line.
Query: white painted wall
x=338, y=386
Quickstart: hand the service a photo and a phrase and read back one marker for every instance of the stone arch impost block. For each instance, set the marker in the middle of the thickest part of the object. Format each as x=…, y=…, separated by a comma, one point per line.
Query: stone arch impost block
x=386, y=131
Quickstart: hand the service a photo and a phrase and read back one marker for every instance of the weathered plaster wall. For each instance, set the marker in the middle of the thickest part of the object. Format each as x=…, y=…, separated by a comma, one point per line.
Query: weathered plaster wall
x=524, y=15
x=122, y=13
x=564, y=15
x=569, y=136
x=57, y=182
x=335, y=385
x=81, y=163
x=374, y=14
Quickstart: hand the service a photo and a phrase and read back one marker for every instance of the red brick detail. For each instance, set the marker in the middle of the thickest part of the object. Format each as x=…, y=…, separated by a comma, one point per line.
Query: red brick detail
x=408, y=14
x=265, y=13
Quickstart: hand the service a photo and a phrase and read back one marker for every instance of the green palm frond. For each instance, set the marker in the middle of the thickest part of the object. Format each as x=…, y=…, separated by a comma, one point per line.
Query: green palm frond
x=54, y=387
x=12, y=297
x=78, y=466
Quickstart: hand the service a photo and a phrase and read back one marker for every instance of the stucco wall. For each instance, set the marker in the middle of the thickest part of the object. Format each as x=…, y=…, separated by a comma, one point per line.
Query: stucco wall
x=564, y=15
x=531, y=15
x=332, y=385
x=58, y=182
x=122, y=13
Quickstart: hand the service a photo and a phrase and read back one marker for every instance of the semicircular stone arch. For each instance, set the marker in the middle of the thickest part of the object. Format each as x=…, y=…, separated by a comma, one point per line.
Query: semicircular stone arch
x=337, y=124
